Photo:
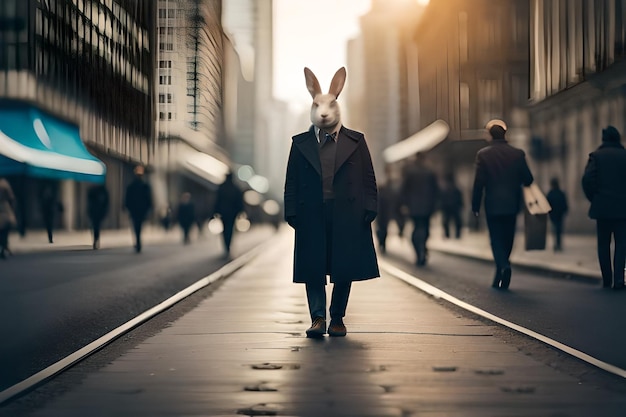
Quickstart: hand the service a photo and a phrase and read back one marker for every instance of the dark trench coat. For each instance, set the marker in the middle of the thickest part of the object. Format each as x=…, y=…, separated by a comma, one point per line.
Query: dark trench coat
x=353, y=254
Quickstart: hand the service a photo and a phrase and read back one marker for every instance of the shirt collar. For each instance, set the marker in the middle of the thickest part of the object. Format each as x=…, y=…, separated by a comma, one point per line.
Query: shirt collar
x=335, y=130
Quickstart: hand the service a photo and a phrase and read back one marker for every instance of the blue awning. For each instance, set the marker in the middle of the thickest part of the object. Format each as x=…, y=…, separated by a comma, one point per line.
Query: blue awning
x=37, y=144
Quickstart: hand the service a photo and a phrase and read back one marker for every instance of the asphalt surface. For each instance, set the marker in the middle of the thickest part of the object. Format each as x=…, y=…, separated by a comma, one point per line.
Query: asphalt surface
x=239, y=349
x=575, y=312
x=56, y=302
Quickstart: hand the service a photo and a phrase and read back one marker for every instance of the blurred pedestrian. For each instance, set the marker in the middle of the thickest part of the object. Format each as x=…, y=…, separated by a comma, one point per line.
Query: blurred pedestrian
x=186, y=214
x=451, y=201
x=400, y=215
x=420, y=193
x=604, y=186
x=49, y=205
x=558, y=202
x=97, y=209
x=501, y=171
x=330, y=201
x=228, y=205
x=387, y=202
x=166, y=217
x=138, y=201
x=7, y=216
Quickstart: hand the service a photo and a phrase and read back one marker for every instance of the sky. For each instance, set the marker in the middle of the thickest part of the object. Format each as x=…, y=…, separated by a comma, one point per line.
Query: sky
x=311, y=33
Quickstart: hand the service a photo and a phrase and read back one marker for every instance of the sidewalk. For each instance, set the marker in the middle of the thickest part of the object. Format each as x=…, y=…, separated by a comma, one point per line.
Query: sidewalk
x=242, y=351
x=578, y=258
x=37, y=240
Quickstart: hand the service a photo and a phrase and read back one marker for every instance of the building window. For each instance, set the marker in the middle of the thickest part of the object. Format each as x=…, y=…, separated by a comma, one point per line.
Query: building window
x=166, y=46
x=165, y=64
x=165, y=79
x=162, y=13
x=165, y=116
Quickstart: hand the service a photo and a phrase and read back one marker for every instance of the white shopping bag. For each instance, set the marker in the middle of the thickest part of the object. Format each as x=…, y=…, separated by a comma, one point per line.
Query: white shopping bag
x=535, y=218
x=536, y=202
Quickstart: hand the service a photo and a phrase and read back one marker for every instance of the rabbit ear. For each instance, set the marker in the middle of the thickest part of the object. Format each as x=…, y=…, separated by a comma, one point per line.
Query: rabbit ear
x=311, y=82
x=339, y=79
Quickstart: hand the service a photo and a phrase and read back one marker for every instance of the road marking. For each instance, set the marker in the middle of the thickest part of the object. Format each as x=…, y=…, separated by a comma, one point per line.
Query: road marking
x=99, y=343
x=436, y=292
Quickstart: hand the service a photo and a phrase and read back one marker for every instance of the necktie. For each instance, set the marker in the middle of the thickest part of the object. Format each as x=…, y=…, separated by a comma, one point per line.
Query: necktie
x=328, y=137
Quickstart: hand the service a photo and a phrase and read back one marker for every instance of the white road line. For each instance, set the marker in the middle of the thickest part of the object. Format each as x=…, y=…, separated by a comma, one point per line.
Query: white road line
x=435, y=292
x=99, y=343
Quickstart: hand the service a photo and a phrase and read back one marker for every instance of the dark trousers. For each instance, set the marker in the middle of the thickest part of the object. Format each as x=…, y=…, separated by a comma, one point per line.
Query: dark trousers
x=137, y=226
x=186, y=229
x=501, y=236
x=452, y=217
x=608, y=230
x=316, y=293
x=227, y=234
x=421, y=232
x=95, y=225
x=557, y=231
x=316, y=297
x=4, y=240
x=381, y=233
x=48, y=219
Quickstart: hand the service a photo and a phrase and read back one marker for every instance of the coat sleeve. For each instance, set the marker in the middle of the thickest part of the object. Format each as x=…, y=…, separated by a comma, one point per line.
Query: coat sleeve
x=590, y=178
x=527, y=176
x=369, y=179
x=290, y=192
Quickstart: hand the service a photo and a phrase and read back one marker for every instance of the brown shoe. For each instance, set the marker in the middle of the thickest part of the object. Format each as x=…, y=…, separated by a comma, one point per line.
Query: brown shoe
x=337, y=328
x=318, y=328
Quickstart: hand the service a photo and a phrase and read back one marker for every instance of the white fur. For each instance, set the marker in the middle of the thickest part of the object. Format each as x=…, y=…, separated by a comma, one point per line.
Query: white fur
x=325, y=112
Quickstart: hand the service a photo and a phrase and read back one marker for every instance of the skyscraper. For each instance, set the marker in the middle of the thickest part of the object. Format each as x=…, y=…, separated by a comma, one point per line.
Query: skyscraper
x=86, y=64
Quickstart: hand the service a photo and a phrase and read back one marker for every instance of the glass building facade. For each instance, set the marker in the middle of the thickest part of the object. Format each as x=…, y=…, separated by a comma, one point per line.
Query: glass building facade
x=89, y=62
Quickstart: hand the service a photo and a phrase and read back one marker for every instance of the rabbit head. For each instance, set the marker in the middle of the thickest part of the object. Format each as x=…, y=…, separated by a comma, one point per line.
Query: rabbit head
x=325, y=112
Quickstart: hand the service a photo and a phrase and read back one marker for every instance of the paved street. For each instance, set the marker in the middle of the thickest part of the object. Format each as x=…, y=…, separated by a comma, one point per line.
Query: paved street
x=241, y=350
x=60, y=297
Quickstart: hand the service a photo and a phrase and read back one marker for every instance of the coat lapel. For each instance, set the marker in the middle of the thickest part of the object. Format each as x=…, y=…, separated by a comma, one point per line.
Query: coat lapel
x=346, y=145
x=309, y=147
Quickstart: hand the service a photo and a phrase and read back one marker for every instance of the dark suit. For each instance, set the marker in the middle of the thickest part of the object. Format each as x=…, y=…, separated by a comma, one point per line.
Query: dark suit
x=97, y=208
x=451, y=201
x=558, y=201
x=228, y=204
x=501, y=171
x=420, y=192
x=186, y=215
x=338, y=227
x=604, y=186
x=386, y=211
x=138, y=201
